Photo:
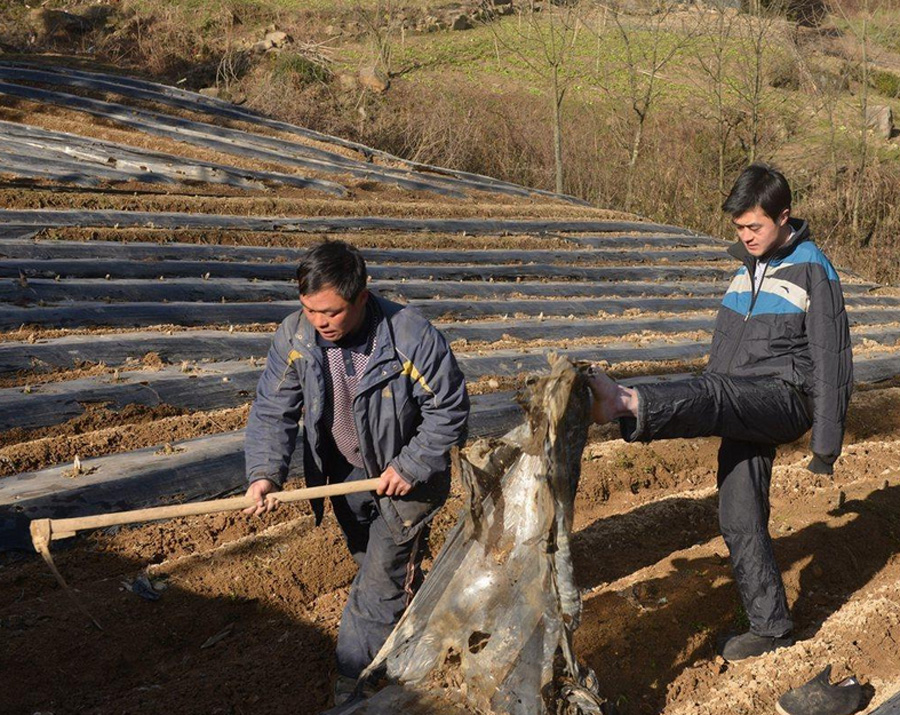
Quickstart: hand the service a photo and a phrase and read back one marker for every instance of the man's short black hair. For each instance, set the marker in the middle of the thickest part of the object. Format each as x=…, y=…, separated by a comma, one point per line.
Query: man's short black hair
x=759, y=185
x=332, y=264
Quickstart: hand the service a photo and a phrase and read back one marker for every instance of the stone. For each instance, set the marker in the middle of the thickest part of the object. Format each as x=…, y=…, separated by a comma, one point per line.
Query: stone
x=461, y=22
x=278, y=38
x=262, y=46
x=210, y=92
x=880, y=119
x=374, y=79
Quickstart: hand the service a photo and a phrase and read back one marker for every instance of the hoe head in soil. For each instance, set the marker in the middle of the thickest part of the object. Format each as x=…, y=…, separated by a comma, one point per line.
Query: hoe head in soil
x=491, y=629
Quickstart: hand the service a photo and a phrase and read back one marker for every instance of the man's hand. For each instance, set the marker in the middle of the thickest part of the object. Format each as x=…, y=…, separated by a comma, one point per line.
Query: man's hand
x=821, y=465
x=391, y=484
x=260, y=490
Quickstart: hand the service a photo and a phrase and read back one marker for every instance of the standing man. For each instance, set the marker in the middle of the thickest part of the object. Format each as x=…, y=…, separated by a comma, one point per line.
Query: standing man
x=780, y=363
x=381, y=396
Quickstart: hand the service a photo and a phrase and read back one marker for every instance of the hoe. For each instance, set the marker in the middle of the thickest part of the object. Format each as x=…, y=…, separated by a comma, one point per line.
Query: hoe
x=44, y=531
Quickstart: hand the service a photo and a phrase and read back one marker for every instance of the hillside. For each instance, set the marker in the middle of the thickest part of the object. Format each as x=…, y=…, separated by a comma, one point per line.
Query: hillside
x=658, y=108
x=148, y=240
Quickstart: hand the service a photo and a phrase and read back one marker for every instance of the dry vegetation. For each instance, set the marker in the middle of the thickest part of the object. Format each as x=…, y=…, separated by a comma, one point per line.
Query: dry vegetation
x=658, y=109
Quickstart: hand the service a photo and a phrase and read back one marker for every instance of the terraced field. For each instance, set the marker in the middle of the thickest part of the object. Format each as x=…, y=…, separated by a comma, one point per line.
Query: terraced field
x=148, y=242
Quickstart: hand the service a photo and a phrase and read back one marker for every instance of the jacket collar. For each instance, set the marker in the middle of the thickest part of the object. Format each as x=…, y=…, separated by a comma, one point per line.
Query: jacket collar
x=801, y=234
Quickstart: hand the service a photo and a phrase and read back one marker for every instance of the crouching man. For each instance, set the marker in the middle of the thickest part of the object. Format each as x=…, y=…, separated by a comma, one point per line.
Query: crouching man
x=780, y=363
x=380, y=395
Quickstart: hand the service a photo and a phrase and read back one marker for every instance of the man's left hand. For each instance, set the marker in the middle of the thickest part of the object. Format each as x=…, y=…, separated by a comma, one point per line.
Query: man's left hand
x=391, y=484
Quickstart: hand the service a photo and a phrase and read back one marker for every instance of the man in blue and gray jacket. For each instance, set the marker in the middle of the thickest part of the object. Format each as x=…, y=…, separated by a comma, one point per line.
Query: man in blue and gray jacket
x=380, y=395
x=780, y=363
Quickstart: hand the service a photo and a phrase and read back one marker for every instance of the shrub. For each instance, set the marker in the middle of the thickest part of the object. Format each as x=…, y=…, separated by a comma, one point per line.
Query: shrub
x=300, y=68
x=885, y=83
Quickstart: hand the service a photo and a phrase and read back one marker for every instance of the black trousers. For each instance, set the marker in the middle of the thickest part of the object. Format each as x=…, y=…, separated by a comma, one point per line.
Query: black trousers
x=388, y=576
x=752, y=416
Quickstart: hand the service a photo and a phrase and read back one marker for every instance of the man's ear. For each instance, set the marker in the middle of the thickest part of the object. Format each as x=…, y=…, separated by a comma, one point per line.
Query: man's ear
x=362, y=297
x=784, y=216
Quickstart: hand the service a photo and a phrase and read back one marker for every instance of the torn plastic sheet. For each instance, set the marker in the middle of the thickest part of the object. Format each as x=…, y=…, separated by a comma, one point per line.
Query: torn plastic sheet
x=491, y=629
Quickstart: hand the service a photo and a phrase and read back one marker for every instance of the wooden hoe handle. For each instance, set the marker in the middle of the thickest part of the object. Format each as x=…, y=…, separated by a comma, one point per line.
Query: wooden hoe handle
x=63, y=528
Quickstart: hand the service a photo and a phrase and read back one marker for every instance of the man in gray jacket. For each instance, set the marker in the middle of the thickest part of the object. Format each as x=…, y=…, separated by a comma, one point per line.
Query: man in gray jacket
x=380, y=395
x=780, y=363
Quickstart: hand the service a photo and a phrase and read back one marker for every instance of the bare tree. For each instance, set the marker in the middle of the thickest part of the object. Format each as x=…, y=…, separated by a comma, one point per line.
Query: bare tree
x=545, y=43
x=378, y=21
x=650, y=41
x=713, y=55
x=866, y=27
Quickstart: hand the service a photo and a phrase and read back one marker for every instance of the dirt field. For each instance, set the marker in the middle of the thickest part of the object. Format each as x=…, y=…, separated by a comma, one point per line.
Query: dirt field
x=657, y=583
x=248, y=609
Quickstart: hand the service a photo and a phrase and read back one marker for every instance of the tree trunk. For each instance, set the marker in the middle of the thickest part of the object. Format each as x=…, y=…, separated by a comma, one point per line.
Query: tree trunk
x=863, y=128
x=557, y=130
x=632, y=162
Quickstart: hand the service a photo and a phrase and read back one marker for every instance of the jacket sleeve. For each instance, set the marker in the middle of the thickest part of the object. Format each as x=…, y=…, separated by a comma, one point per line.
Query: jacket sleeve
x=440, y=390
x=273, y=423
x=828, y=331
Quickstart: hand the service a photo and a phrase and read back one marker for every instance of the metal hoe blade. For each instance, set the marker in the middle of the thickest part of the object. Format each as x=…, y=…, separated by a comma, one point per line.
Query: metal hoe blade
x=41, y=531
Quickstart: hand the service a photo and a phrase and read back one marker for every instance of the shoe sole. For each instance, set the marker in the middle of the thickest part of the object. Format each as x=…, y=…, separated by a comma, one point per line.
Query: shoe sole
x=754, y=657
x=780, y=710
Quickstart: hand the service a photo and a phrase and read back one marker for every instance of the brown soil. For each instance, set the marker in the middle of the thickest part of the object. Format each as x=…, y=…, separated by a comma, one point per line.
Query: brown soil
x=506, y=342
x=413, y=241
x=34, y=333
x=402, y=204
x=656, y=574
x=40, y=375
x=101, y=431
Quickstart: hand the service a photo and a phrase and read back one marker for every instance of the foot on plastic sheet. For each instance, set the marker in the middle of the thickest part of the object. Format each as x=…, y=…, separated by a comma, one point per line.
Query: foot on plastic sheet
x=820, y=697
x=750, y=645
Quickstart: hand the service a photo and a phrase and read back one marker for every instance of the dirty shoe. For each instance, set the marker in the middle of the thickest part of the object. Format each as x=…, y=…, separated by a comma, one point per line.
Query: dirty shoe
x=820, y=697
x=750, y=645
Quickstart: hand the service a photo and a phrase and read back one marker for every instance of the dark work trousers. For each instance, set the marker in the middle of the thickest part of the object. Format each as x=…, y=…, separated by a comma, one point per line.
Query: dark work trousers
x=752, y=416
x=384, y=585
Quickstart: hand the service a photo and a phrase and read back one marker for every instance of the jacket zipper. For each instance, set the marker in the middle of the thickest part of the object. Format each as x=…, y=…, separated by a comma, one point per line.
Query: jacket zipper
x=754, y=293
x=385, y=377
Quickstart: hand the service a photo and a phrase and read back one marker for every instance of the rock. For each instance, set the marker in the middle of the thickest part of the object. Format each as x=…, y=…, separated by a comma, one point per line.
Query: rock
x=461, y=22
x=259, y=47
x=374, y=79
x=880, y=119
x=210, y=92
x=278, y=38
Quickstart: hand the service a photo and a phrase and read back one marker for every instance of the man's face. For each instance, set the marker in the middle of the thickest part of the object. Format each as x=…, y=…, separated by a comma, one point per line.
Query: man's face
x=759, y=233
x=332, y=316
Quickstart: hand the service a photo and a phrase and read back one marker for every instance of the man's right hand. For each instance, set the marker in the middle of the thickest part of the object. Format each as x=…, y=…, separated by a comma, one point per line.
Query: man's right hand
x=259, y=491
